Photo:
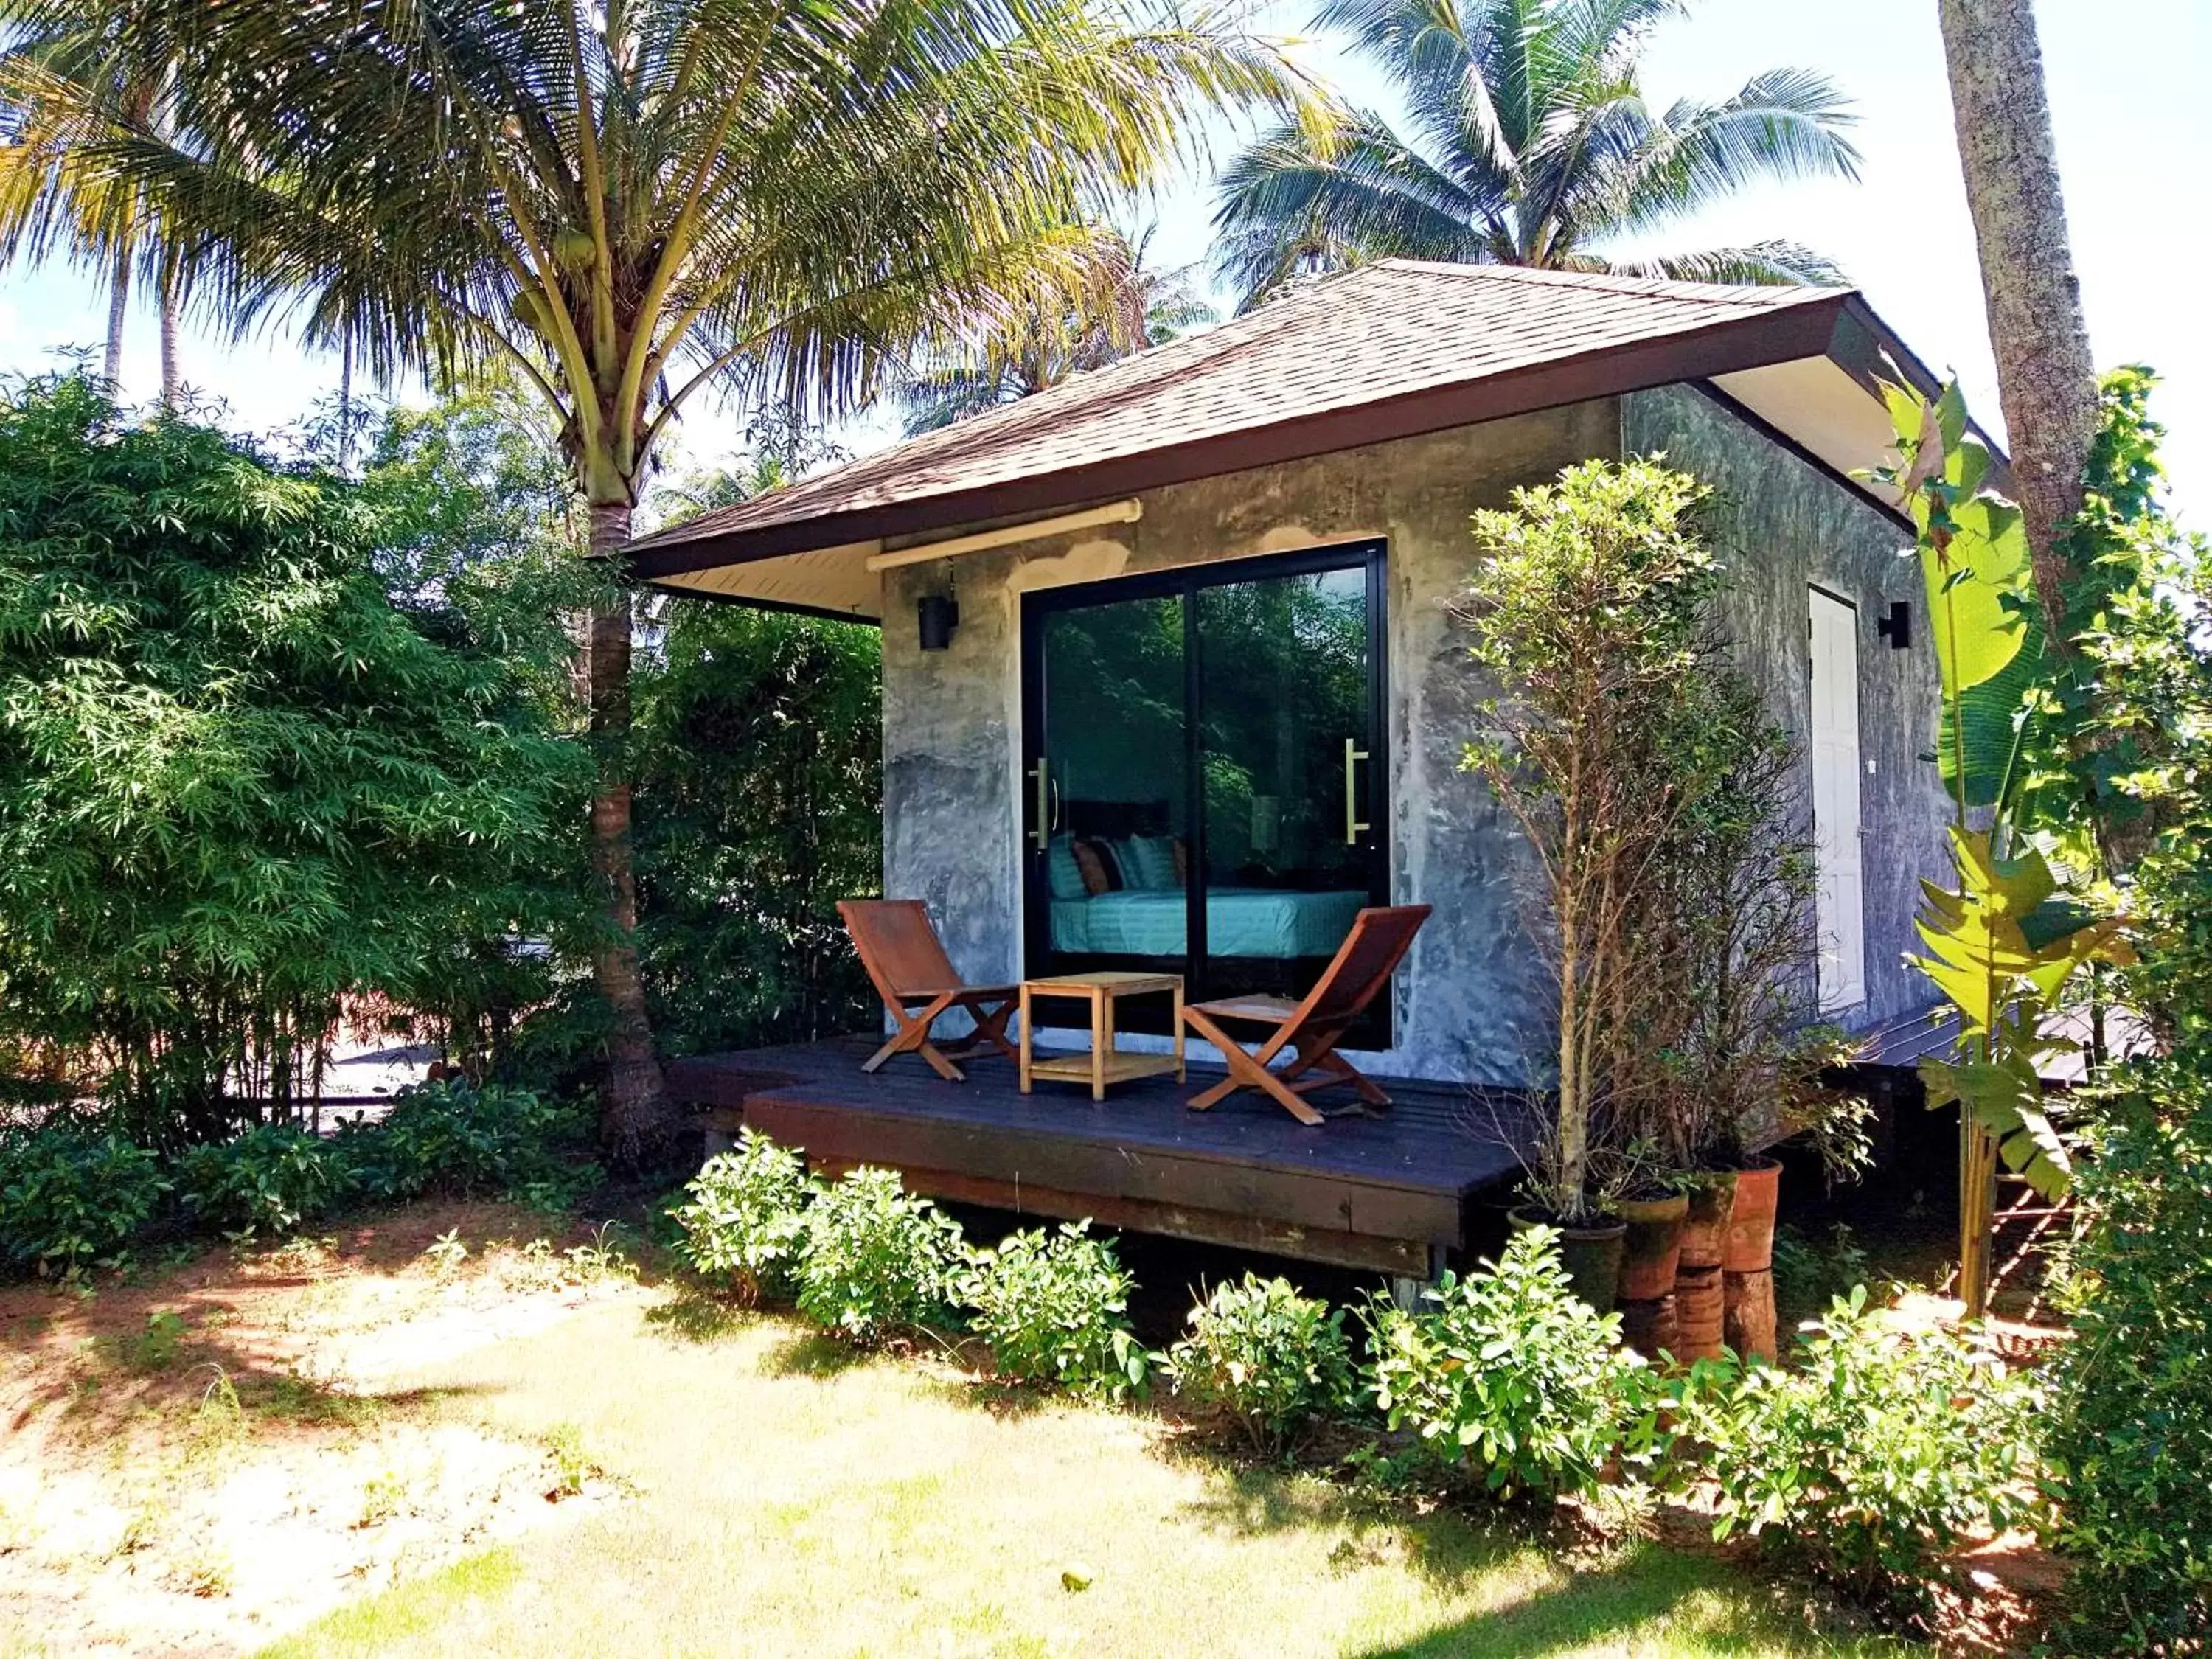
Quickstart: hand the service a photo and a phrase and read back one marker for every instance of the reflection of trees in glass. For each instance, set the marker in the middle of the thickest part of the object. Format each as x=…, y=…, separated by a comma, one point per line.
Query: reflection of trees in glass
x=1115, y=690
x=1286, y=670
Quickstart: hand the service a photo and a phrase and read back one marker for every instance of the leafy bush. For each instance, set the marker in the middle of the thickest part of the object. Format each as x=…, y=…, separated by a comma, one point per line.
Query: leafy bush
x=1267, y=1357
x=269, y=1180
x=746, y=1219
x=1054, y=1307
x=239, y=782
x=72, y=1195
x=1512, y=1376
x=2130, y=1445
x=1872, y=1457
x=759, y=806
x=876, y=1260
x=457, y=1138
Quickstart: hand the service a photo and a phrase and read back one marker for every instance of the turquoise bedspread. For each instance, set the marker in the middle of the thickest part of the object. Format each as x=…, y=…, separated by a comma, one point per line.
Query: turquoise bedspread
x=1240, y=921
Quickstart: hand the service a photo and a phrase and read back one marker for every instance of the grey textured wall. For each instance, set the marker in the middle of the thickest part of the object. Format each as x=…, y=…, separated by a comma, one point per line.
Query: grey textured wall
x=1785, y=526
x=951, y=719
x=1469, y=1002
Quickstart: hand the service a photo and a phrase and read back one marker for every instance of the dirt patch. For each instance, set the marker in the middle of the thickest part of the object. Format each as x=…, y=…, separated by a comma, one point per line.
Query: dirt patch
x=199, y=1459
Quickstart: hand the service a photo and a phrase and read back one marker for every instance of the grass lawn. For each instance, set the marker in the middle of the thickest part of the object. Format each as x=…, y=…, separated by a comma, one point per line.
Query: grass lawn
x=380, y=1487
x=789, y=1500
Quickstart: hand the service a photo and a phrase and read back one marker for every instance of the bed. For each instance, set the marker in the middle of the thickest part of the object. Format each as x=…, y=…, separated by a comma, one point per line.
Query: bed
x=1240, y=921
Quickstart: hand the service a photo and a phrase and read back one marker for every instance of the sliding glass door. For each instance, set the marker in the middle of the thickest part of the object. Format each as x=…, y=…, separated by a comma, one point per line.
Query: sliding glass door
x=1203, y=761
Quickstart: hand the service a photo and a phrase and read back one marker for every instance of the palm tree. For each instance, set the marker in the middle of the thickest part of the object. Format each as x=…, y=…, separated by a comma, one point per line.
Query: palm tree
x=631, y=203
x=81, y=56
x=1529, y=143
x=1119, y=305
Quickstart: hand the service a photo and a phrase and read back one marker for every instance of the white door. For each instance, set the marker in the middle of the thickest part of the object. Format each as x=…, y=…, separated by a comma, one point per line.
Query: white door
x=1836, y=800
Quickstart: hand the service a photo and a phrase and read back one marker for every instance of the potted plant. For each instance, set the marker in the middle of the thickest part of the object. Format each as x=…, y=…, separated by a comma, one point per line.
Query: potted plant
x=1588, y=609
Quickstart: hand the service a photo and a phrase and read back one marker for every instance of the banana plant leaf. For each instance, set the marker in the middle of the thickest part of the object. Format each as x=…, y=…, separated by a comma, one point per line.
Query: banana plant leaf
x=2006, y=1099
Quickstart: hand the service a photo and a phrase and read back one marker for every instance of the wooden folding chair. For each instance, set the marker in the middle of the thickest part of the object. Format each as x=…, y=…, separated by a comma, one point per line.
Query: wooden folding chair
x=1309, y=1031
x=907, y=963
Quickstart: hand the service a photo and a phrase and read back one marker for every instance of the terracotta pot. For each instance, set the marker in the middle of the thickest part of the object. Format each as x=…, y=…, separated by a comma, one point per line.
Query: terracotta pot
x=1750, y=1247
x=1652, y=1247
x=1704, y=1229
x=1700, y=1301
x=1591, y=1255
x=1749, y=1322
x=1650, y=1326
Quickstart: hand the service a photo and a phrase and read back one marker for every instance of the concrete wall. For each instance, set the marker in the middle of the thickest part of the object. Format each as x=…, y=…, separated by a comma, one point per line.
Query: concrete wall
x=1785, y=526
x=951, y=719
x=1469, y=1002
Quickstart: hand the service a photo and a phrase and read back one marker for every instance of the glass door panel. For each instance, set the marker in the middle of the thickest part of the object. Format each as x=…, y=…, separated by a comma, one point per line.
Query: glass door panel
x=1289, y=753
x=1109, y=791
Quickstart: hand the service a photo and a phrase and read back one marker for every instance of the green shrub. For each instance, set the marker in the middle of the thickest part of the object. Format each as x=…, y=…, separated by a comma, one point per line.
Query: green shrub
x=455, y=1138
x=747, y=1216
x=242, y=779
x=2130, y=1444
x=1512, y=1377
x=1054, y=1307
x=268, y=1180
x=1873, y=1457
x=71, y=1196
x=875, y=1259
x=1267, y=1358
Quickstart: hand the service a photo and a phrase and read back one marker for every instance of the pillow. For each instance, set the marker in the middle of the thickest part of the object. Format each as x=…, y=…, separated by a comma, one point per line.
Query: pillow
x=1095, y=860
x=1063, y=876
x=1148, y=862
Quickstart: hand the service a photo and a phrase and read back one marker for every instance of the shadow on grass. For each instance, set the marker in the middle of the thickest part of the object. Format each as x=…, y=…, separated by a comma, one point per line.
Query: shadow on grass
x=813, y=1353
x=1580, y=1611
x=700, y=1316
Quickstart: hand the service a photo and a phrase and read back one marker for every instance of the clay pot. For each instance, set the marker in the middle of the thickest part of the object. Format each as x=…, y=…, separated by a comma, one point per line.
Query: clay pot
x=1650, y=1326
x=1750, y=1245
x=1704, y=1229
x=1591, y=1255
x=1700, y=1301
x=1652, y=1246
x=1749, y=1322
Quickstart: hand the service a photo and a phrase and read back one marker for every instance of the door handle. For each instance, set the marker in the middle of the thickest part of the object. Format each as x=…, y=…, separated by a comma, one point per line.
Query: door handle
x=1042, y=834
x=1353, y=754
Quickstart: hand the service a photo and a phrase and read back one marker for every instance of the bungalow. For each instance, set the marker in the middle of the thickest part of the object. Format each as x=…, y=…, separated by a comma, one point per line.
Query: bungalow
x=1171, y=682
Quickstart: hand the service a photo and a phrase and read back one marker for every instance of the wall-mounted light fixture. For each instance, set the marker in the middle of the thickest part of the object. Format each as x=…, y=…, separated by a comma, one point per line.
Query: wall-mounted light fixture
x=1896, y=627
x=938, y=614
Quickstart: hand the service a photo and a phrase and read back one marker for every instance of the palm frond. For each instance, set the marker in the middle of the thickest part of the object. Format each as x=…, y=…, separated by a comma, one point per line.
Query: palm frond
x=1775, y=263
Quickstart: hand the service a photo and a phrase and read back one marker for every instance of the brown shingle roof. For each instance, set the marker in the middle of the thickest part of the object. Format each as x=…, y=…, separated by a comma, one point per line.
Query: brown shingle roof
x=1397, y=333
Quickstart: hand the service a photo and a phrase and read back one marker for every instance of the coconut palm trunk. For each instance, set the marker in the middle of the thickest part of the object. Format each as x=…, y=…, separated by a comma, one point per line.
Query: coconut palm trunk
x=119, y=311
x=637, y=1119
x=172, y=378
x=2046, y=378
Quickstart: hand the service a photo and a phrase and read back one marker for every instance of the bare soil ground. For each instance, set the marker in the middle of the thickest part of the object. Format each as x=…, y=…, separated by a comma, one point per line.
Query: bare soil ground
x=200, y=1459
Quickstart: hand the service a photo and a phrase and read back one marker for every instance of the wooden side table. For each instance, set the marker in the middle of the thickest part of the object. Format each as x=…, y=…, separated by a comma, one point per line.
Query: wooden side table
x=1105, y=1063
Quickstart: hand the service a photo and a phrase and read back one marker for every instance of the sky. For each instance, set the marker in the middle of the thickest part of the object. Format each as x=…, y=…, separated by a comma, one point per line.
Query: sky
x=2135, y=145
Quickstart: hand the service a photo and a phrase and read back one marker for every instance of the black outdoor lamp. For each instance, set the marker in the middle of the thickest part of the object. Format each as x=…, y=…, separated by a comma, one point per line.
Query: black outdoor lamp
x=939, y=615
x=1896, y=627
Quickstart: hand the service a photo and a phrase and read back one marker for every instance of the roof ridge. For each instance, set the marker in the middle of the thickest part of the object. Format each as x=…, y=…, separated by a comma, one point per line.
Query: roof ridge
x=1764, y=294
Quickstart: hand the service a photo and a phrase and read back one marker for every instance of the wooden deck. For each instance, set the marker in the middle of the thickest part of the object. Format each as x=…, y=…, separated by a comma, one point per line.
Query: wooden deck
x=1388, y=1194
